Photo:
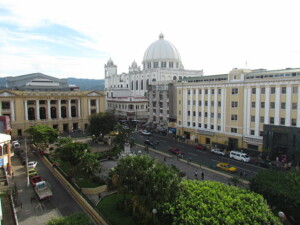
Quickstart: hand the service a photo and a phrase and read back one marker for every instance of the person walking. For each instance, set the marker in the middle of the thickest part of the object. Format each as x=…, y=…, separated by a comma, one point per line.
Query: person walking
x=202, y=175
x=196, y=174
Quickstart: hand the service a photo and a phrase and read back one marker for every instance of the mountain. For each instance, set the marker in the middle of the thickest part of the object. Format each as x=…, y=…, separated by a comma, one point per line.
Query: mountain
x=84, y=84
x=87, y=84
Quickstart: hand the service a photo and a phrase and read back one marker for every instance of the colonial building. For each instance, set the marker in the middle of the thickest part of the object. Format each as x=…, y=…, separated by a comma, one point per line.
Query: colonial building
x=232, y=109
x=64, y=111
x=126, y=92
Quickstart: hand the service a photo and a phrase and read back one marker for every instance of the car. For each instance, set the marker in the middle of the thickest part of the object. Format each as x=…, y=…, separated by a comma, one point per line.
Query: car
x=241, y=156
x=32, y=172
x=175, y=151
x=227, y=167
x=16, y=144
x=145, y=132
x=113, y=133
x=200, y=147
x=266, y=163
x=32, y=164
x=149, y=142
x=218, y=151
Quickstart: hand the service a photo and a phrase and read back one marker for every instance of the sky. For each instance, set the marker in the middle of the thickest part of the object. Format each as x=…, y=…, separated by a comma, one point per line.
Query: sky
x=64, y=38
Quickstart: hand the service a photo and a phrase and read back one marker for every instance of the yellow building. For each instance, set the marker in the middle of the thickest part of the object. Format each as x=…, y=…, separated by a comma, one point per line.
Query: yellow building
x=231, y=109
x=64, y=111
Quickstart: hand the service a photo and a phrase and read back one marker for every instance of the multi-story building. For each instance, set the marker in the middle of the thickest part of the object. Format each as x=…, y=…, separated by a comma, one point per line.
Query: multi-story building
x=64, y=111
x=232, y=109
x=126, y=92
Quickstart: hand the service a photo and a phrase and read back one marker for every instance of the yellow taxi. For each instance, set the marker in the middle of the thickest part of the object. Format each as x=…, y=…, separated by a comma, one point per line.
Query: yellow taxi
x=226, y=167
x=113, y=133
x=32, y=172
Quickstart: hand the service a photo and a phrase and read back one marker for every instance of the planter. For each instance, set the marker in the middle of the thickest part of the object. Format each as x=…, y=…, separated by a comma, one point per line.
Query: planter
x=92, y=191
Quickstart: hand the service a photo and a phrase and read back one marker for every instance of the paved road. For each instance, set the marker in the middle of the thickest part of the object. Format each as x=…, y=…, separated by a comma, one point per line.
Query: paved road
x=201, y=157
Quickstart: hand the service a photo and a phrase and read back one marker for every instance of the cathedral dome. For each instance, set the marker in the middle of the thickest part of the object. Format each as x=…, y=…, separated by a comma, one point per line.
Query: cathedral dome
x=162, y=50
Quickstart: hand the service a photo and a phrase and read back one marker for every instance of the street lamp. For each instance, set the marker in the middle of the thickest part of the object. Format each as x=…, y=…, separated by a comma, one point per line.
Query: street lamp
x=283, y=218
x=154, y=212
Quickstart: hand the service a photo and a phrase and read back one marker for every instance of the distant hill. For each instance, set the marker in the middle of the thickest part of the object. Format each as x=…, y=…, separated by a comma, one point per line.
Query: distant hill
x=84, y=84
x=87, y=84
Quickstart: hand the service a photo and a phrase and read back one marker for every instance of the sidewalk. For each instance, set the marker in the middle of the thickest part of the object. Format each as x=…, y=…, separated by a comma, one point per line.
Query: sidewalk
x=28, y=212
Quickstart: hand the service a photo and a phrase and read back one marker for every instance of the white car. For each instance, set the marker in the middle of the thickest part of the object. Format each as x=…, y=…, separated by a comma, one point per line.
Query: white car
x=32, y=164
x=16, y=144
x=145, y=132
x=218, y=151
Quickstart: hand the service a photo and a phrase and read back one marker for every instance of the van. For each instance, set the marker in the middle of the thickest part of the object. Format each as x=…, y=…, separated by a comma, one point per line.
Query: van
x=239, y=156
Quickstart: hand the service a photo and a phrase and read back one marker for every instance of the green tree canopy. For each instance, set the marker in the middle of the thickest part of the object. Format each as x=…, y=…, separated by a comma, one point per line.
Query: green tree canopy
x=211, y=202
x=42, y=134
x=281, y=189
x=123, y=136
x=101, y=123
x=74, y=219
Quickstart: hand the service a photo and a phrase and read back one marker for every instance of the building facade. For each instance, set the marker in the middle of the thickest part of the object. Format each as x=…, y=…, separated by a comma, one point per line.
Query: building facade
x=232, y=109
x=126, y=93
x=64, y=111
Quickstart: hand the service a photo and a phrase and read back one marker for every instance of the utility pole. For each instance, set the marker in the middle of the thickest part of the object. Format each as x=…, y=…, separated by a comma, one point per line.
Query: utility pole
x=26, y=163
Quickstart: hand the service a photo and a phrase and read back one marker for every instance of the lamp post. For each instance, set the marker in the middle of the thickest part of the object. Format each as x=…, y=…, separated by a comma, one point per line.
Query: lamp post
x=154, y=212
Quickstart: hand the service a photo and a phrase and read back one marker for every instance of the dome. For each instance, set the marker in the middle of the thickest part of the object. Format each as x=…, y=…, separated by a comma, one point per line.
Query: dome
x=161, y=50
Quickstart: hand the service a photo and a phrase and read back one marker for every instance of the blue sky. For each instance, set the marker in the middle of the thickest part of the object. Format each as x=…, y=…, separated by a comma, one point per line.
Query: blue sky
x=76, y=38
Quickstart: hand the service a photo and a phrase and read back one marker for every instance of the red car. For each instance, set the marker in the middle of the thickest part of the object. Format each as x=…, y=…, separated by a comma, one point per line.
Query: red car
x=175, y=151
x=200, y=147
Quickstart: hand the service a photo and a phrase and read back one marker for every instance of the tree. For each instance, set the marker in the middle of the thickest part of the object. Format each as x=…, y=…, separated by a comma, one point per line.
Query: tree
x=74, y=219
x=280, y=189
x=211, y=202
x=42, y=134
x=123, y=136
x=101, y=123
x=89, y=164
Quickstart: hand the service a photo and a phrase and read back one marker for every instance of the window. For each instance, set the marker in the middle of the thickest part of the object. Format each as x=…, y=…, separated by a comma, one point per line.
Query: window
x=155, y=65
x=149, y=65
x=293, y=122
x=219, y=91
x=194, y=102
x=234, y=104
x=171, y=65
x=200, y=91
x=262, y=119
x=163, y=64
x=262, y=105
x=252, y=118
x=219, y=115
x=189, y=113
x=212, y=91
x=194, y=91
x=283, y=90
x=188, y=123
x=273, y=90
x=212, y=127
x=93, y=102
x=200, y=114
x=212, y=103
x=206, y=103
x=271, y=120
x=263, y=91
x=219, y=103
x=234, y=117
x=179, y=112
x=205, y=126
x=194, y=113
x=212, y=115
x=272, y=105
x=5, y=105
x=189, y=92
x=282, y=105
x=261, y=133
x=206, y=91
x=233, y=130
x=179, y=102
x=234, y=91
x=295, y=90
x=253, y=91
x=199, y=124
x=189, y=102
x=282, y=121
x=294, y=105
x=200, y=103
x=205, y=114
x=219, y=127
x=194, y=124
x=252, y=132
x=253, y=104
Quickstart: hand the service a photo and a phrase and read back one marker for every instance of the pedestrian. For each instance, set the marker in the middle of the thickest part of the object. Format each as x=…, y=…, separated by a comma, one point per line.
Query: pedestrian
x=99, y=196
x=202, y=175
x=165, y=159
x=196, y=174
x=12, y=174
x=241, y=174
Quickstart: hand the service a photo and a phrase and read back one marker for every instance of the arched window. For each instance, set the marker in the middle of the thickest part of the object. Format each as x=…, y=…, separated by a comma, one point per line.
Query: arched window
x=1, y=152
x=31, y=113
x=63, y=112
x=73, y=111
x=42, y=113
x=153, y=80
x=180, y=77
x=53, y=113
x=142, y=85
x=131, y=85
x=174, y=78
x=147, y=82
x=137, y=85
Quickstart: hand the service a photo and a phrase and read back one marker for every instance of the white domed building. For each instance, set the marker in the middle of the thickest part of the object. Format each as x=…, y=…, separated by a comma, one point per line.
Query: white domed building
x=127, y=93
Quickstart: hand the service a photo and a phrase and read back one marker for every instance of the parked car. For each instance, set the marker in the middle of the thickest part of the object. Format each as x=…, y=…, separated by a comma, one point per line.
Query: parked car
x=200, y=147
x=266, y=163
x=226, y=167
x=149, y=142
x=113, y=133
x=176, y=151
x=218, y=151
x=16, y=144
x=32, y=164
x=32, y=172
x=145, y=132
x=241, y=156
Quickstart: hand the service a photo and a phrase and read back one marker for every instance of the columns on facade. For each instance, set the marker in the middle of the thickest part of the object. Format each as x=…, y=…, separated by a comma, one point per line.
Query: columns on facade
x=89, y=107
x=59, y=109
x=257, y=110
x=12, y=110
x=79, y=107
x=69, y=107
x=25, y=110
x=97, y=105
x=288, y=106
x=267, y=106
x=49, y=109
x=277, y=106
x=37, y=108
x=223, y=109
x=216, y=109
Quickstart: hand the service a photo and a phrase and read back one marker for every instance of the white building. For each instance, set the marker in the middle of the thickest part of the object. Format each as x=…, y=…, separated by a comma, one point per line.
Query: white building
x=126, y=92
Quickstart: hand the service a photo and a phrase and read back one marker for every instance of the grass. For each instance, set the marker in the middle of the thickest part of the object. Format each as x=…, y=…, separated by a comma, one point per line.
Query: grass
x=108, y=207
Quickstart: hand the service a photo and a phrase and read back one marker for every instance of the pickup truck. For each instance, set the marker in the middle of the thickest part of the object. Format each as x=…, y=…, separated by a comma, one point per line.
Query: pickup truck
x=34, y=180
x=42, y=190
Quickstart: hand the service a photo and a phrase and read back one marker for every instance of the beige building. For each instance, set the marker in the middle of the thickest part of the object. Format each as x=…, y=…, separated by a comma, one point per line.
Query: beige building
x=231, y=109
x=64, y=111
